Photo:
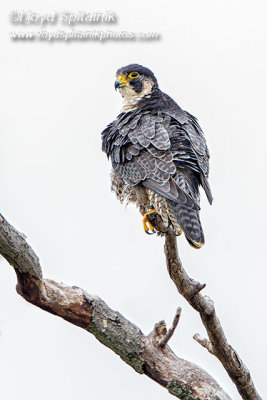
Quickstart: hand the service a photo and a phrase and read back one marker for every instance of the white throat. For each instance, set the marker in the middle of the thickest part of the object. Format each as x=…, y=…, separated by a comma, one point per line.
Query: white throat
x=131, y=98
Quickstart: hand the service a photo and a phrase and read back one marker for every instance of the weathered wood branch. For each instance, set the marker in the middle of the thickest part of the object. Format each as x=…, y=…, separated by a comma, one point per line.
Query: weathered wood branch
x=170, y=332
x=145, y=354
x=190, y=290
x=203, y=342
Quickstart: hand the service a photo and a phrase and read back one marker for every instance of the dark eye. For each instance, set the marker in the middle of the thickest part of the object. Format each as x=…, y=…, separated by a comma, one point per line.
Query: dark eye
x=133, y=75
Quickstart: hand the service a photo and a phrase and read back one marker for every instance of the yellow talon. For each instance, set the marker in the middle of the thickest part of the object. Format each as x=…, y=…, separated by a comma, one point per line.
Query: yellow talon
x=147, y=225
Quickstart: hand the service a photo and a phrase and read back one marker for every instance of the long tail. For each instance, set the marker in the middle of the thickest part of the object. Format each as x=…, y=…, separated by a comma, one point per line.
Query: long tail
x=189, y=221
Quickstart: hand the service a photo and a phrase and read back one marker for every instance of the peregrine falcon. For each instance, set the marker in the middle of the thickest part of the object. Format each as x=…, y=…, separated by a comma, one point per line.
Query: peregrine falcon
x=158, y=153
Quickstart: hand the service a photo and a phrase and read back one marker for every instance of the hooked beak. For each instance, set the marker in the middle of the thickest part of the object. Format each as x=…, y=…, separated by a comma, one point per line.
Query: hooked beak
x=118, y=84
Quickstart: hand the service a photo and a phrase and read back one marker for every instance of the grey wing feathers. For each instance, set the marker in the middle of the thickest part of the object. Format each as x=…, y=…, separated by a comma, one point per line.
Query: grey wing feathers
x=171, y=191
x=198, y=146
x=141, y=153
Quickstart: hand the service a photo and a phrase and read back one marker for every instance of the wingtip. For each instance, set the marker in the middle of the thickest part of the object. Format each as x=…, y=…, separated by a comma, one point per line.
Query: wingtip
x=210, y=199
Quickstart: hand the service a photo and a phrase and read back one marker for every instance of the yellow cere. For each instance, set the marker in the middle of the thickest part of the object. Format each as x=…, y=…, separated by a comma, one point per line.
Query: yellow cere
x=122, y=79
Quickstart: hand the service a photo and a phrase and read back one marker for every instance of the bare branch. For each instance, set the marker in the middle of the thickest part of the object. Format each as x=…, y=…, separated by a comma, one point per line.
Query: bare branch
x=170, y=332
x=189, y=289
x=203, y=342
x=145, y=354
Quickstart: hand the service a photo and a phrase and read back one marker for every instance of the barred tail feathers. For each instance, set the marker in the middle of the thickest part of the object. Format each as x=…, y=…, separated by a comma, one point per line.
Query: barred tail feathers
x=189, y=221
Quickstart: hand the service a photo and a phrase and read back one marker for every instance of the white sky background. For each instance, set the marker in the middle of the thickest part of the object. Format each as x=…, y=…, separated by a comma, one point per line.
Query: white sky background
x=56, y=98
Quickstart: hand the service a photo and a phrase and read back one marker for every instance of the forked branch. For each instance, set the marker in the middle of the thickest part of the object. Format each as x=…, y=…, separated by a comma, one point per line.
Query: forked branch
x=190, y=290
x=149, y=355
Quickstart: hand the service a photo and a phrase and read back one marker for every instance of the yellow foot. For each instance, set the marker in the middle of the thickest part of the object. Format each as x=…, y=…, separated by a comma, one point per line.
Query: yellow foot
x=179, y=232
x=148, y=228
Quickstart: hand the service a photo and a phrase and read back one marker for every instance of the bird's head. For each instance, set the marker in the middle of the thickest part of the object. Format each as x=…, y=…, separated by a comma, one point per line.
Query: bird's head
x=134, y=82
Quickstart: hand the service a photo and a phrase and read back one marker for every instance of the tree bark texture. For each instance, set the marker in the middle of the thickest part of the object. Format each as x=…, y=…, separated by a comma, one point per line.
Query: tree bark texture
x=149, y=355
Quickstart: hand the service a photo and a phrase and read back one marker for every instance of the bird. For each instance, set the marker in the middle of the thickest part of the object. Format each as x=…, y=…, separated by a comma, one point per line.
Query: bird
x=159, y=155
